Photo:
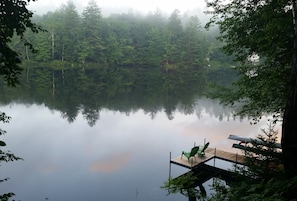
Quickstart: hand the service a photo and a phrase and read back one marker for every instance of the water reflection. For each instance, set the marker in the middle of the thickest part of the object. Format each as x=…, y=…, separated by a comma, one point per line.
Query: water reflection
x=73, y=91
x=121, y=157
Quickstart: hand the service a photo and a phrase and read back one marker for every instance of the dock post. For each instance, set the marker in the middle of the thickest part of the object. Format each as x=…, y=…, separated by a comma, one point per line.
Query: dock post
x=169, y=177
x=236, y=163
x=214, y=158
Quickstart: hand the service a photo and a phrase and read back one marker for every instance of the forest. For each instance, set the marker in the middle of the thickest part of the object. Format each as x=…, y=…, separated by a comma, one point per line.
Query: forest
x=130, y=39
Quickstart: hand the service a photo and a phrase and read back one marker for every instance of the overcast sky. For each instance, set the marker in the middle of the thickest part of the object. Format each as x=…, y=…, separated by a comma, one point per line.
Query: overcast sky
x=120, y=6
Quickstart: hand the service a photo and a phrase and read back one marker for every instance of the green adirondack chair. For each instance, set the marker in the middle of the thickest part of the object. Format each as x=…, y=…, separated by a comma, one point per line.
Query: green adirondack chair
x=201, y=152
x=193, y=152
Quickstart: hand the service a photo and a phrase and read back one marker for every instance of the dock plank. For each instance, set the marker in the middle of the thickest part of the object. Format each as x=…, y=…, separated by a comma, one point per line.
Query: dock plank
x=224, y=155
x=210, y=153
x=194, y=161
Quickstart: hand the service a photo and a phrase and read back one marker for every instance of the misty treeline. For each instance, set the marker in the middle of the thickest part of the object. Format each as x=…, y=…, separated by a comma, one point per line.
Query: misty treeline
x=121, y=39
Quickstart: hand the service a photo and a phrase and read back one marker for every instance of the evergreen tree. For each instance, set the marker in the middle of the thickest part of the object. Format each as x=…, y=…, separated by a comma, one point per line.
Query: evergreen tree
x=92, y=41
x=70, y=32
x=193, y=51
x=43, y=46
x=174, y=33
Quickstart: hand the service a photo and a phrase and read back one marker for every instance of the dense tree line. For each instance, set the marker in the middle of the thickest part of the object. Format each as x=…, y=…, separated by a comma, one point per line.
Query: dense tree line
x=120, y=39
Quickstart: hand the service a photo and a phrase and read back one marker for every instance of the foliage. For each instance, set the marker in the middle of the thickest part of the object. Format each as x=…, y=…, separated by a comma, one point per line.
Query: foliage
x=15, y=19
x=181, y=185
x=177, y=185
x=5, y=156
x=267, y=160
x=262, y=35
x=277, y=188
x=6, y=196
x=250, y=29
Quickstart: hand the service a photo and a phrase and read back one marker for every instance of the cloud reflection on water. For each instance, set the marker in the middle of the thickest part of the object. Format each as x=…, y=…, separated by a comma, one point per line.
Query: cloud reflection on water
x=110, y=164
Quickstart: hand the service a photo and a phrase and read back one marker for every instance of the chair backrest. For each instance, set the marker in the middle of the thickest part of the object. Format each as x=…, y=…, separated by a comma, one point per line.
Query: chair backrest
x=205, y=147
x=194, y=151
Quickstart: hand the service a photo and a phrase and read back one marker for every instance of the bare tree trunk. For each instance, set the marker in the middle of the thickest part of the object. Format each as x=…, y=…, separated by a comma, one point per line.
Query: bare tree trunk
x=27, y=52
x=289, y=127
x=62, y=58
x=27, y=74
x=53, y=43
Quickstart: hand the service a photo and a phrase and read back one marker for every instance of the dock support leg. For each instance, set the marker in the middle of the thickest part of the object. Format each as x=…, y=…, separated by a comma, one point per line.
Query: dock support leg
x=236, y=163
x=169, y=177
x=214, y=158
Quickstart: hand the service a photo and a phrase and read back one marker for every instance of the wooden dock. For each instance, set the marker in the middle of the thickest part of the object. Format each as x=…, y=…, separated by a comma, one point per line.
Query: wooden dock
x=201, y=172
x=210, y=153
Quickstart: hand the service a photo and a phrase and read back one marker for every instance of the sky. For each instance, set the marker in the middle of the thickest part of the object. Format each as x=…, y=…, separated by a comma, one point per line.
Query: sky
x=121, y=6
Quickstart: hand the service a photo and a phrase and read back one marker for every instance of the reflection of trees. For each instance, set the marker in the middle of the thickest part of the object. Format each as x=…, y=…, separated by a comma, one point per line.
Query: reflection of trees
x=119, y=89
x=214, y=109
x=92, y=115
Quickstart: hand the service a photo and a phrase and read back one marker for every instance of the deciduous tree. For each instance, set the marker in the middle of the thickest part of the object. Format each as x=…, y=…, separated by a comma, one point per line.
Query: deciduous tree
x=15, y=19
x=266, y=29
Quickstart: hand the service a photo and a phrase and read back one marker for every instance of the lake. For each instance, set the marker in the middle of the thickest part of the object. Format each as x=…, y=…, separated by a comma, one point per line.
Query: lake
x=92, y=152
x=122, y=157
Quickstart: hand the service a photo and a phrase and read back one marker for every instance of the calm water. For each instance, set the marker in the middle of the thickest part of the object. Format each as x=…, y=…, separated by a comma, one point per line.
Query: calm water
x=122, y=157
